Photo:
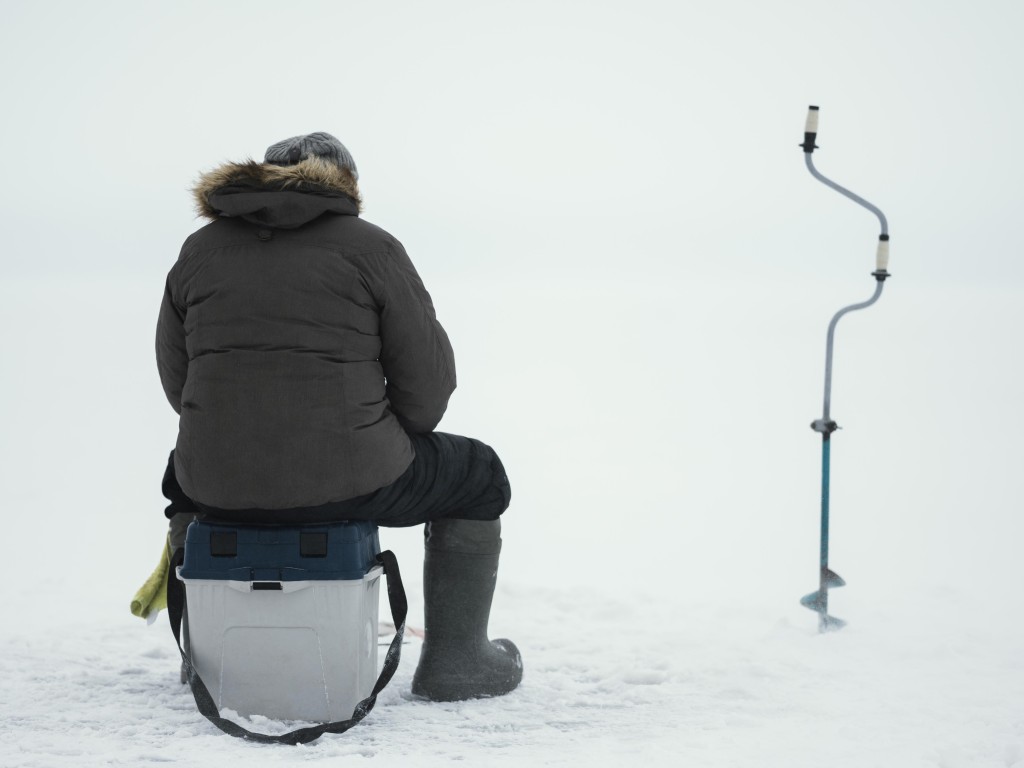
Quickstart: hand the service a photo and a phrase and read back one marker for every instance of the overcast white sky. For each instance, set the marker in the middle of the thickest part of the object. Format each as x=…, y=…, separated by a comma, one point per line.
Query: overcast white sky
x=497, y=137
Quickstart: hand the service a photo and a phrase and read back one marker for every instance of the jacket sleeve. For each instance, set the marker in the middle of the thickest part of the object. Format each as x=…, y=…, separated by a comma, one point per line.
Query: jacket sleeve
x=416, y=355
x=171, y=355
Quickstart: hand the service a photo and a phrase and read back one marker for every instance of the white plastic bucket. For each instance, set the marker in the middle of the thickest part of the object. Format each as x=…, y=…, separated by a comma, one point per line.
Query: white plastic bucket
x=288, y=650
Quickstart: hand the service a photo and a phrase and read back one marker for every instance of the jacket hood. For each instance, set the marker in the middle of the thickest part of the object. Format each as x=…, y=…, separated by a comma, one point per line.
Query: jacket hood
x=282, y=196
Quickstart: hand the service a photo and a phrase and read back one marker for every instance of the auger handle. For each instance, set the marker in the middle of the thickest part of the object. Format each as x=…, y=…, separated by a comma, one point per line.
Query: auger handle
x=810, y=135
x=810, y=130
x=882, y=256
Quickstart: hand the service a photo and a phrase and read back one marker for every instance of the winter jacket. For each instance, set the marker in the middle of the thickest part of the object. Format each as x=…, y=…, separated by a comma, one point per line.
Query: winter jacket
x=297, y=343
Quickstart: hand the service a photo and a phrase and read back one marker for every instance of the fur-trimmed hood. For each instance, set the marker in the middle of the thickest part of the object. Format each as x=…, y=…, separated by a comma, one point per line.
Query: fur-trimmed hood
x=285, y=196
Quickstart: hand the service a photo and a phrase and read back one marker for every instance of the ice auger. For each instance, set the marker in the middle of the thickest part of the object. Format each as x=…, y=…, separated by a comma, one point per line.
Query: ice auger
x=829, y=579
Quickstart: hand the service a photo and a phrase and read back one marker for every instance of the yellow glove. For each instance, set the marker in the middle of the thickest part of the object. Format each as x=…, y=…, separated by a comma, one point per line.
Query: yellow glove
x=152, y=596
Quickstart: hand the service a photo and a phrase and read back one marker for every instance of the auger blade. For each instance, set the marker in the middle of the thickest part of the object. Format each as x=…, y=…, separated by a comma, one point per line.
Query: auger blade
x=828, y=623
x=830, y=579
x=816, y=601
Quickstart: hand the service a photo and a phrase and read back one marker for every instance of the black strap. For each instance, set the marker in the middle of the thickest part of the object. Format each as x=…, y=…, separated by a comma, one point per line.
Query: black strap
x=204, y=701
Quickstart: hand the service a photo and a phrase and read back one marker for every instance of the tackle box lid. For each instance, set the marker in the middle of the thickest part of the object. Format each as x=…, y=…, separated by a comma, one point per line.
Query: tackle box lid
x=279, y=552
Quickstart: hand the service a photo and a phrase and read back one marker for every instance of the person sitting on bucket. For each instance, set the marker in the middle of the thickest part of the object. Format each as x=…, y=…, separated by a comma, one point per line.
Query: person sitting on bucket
x=302, y=353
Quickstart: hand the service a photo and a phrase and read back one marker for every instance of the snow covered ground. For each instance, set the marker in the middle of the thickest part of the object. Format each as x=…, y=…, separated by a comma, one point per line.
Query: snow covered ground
x=669, y=679
x=663, y=527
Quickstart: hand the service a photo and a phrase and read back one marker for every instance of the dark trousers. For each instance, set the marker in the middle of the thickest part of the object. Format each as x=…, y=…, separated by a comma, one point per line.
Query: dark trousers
x=450, y=477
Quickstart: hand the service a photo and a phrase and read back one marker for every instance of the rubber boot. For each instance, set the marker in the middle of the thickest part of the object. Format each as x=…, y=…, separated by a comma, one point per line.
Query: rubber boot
x=460, y=567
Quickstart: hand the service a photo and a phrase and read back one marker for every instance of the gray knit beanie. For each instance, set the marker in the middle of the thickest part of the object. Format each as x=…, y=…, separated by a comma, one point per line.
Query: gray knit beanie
x=319, y=144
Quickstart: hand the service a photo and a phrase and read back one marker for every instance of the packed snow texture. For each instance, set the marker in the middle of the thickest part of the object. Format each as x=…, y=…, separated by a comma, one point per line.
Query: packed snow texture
x=609, y=207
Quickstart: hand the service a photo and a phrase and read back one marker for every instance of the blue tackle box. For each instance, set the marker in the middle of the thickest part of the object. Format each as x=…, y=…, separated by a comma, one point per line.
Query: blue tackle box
x=282, y=620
